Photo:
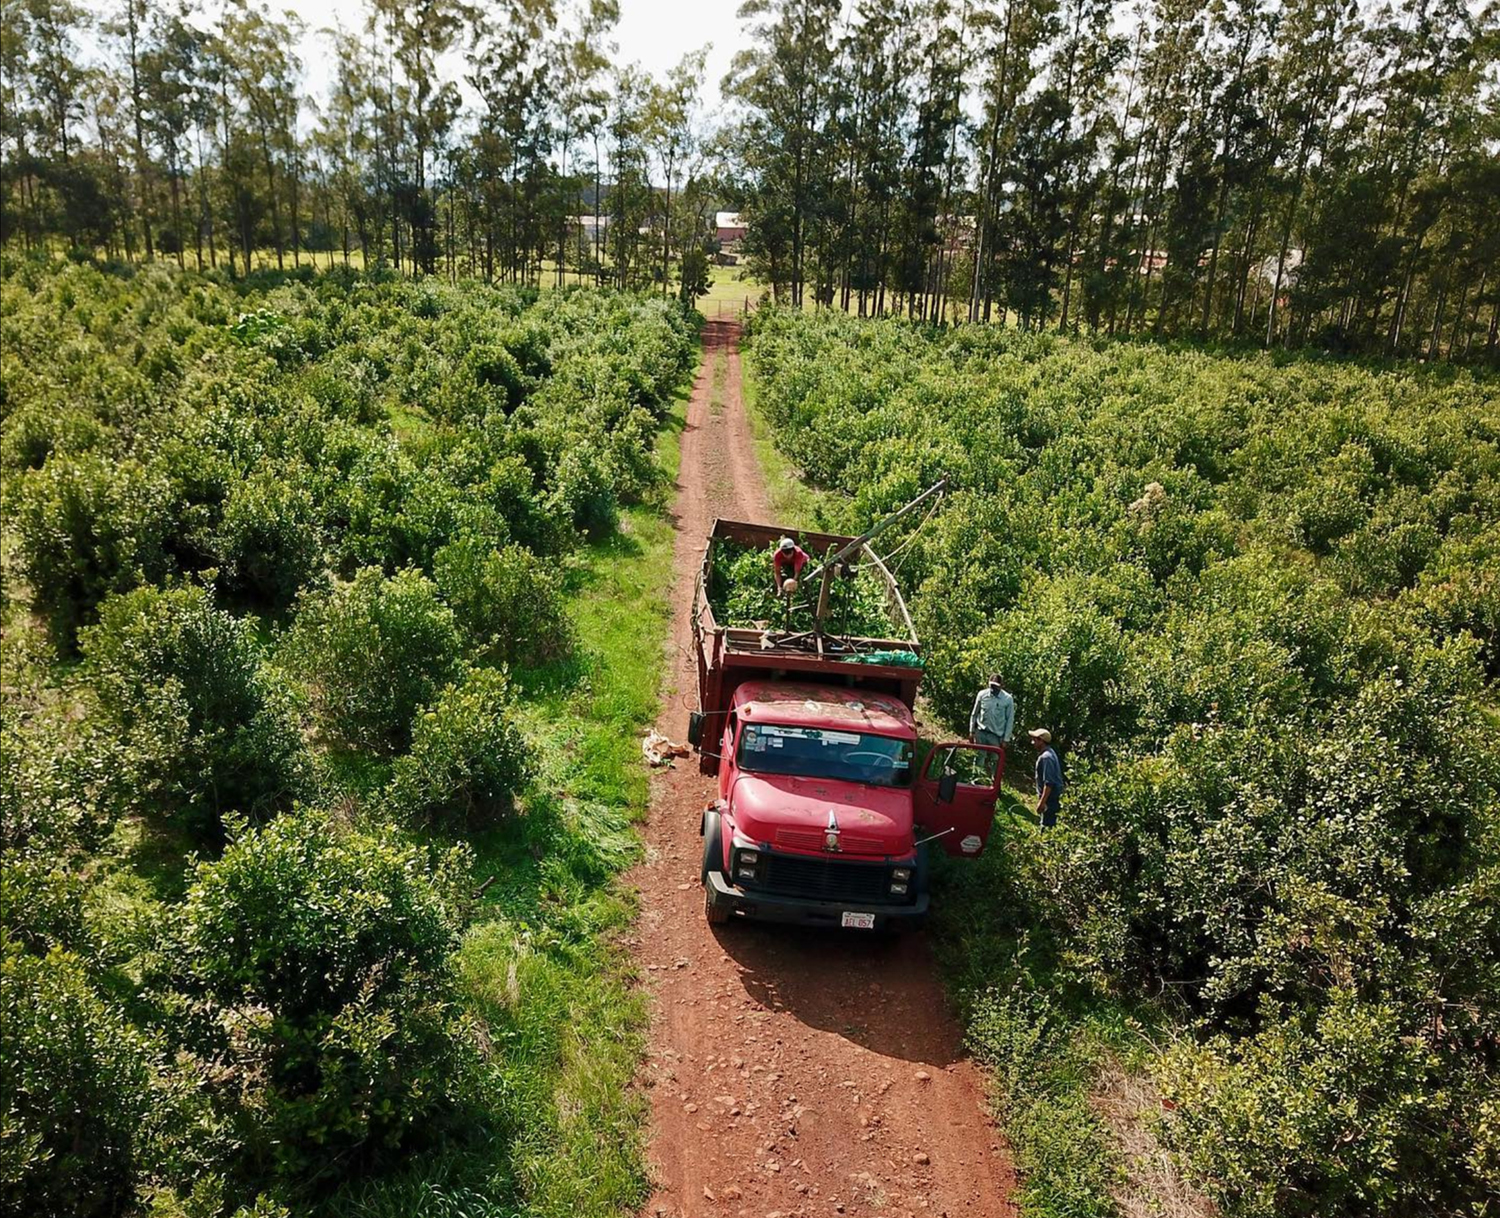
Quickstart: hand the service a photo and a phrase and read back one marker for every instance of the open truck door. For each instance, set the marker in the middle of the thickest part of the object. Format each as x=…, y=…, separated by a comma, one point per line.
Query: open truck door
x=955, y=796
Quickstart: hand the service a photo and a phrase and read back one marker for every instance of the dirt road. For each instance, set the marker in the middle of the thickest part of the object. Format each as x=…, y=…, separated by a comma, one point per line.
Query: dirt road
x=791, y=1074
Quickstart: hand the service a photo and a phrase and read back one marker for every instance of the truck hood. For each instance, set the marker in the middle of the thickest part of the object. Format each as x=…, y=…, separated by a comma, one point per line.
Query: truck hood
x=791, y=812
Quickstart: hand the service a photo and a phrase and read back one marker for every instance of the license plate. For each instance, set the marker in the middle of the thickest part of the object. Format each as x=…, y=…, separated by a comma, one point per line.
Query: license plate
x=859, y=921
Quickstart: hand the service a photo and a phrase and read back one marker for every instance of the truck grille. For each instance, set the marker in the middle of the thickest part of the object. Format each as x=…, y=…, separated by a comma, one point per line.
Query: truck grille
x=830, y=880
x=812, y=839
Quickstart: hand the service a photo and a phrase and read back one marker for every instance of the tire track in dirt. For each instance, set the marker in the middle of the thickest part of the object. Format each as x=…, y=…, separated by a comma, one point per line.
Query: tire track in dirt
x=791, y=1073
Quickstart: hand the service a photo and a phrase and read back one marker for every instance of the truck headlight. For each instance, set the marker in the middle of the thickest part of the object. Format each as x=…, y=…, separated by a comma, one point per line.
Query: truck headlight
x=746, y=864
x=901, y=873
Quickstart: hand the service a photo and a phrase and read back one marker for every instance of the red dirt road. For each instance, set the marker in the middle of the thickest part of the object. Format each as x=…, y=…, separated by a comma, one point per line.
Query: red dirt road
x=791, y=1073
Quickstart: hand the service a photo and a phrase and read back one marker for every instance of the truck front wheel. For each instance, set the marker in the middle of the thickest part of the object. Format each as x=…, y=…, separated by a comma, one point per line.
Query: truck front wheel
x=713, y=845
x=713, y=859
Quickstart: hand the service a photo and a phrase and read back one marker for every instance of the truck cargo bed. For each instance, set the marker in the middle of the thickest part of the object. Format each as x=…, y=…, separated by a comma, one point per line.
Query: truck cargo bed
x=728, y=655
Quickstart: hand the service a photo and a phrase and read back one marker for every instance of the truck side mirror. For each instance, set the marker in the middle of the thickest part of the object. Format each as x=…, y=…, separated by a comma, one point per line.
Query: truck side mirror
x=947, y=787
x=695, y=729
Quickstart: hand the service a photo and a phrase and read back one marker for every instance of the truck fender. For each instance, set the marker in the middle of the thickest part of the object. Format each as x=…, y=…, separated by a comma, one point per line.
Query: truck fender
x=713, y=843
x=923, y=869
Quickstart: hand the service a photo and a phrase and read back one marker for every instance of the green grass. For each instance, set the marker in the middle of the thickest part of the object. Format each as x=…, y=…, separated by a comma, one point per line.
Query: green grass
x=559, y=1127
x=793, y=502
x=1040, y=1034
x=729, y=293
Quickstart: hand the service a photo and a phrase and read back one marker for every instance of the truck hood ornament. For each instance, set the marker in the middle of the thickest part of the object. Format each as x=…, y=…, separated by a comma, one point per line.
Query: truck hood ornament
x=831, y=834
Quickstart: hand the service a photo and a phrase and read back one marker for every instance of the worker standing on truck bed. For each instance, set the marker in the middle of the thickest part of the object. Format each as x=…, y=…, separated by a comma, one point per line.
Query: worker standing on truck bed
x=993, y=719
x=1049, y=777
x=788, y=553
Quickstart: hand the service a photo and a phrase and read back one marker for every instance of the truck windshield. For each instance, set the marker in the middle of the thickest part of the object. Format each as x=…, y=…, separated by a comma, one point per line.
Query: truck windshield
x=820, y=752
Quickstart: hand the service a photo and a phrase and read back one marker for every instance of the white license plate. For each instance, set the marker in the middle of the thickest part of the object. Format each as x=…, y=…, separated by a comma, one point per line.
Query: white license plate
x=859, y=921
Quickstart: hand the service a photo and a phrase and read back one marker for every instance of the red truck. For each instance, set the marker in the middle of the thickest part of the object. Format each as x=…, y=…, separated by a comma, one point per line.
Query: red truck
x=824, y=816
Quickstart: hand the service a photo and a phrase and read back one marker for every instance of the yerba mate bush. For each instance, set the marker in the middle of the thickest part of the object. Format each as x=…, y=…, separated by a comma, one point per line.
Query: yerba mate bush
x=275, y=556
x=1258, y=602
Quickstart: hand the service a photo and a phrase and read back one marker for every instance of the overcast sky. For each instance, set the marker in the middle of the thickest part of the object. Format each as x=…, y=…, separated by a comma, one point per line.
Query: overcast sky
x=654, y=33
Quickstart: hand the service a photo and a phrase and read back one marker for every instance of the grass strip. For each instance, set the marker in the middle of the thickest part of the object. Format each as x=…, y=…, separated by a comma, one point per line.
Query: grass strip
x=794, y=504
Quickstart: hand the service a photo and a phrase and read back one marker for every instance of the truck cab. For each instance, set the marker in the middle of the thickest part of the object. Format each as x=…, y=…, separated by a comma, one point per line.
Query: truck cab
x=823, y=817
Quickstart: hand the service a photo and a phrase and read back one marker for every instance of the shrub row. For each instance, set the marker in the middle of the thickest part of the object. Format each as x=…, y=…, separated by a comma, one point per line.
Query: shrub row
x=1256, y=600
x=295, y=537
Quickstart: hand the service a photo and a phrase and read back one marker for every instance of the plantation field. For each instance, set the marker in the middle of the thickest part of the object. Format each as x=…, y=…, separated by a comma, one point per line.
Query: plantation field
x=331, y=615
x=1258, y=602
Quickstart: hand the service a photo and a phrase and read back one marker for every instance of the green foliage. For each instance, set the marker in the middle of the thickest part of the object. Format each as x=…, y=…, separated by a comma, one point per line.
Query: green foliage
x=1358, y=1112
x=206, y=729
x=1255, y=601
x=319, y=958
x=89, y=527
x=741, y=592
x=1041, y=1075
x=268, y=546
x=289, y=1018
x=375, y=650
x=509, y=603
x=75, y=1079
x=468, y=757
x=54, y=791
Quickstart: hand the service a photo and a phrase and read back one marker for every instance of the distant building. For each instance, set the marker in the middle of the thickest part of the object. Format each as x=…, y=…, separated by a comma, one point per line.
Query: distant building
x=729, y=227
x=958, y=232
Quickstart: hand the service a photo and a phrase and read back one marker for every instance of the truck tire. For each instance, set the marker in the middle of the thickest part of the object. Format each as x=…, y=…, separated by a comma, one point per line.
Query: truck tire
x=713, y=846
x=713, y=859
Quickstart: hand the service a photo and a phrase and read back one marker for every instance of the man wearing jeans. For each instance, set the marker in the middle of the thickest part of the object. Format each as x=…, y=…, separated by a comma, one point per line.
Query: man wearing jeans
x=1049, y=777
x=993, y=719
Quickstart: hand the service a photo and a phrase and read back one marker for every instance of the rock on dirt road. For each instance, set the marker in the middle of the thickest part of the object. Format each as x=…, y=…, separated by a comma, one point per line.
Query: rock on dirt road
x=791, y=1073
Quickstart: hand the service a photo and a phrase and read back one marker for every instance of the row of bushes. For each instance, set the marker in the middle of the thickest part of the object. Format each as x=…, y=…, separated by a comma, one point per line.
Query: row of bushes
x=1256, y=599
x=272, y=556
x=246, y=452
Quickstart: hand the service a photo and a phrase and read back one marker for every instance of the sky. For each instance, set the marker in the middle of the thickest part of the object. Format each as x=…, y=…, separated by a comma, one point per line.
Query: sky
x=653, y=33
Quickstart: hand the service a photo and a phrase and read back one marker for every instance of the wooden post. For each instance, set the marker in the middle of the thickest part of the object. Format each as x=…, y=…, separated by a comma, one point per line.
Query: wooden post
x=823, y=592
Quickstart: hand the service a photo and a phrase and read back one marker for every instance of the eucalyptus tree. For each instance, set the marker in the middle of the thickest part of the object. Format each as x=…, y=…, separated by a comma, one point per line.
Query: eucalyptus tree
x=630, y=202
x=1086, y=65
x=170, y=69
x=784, y=81
x=265, y=73
x=344, y=137
x=510, y=69
x=876, y=52
x=423, y=108
x=580, y=98
x=128, y=29
x=669, y=132
x=1008, y=36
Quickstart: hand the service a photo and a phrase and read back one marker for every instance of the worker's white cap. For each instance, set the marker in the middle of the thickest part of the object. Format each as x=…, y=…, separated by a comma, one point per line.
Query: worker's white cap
x=1040, y=733
x=787, y=544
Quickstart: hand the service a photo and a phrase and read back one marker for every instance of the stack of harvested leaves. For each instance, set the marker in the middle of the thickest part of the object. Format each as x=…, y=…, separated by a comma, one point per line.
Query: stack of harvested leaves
x=742, y=593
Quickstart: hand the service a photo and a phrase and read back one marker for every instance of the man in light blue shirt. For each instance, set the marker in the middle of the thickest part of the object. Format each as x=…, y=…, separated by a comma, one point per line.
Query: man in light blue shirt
x=993, y=719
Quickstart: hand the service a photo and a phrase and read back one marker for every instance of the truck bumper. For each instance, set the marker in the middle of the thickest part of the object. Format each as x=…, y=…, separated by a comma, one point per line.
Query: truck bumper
x=805, y=911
